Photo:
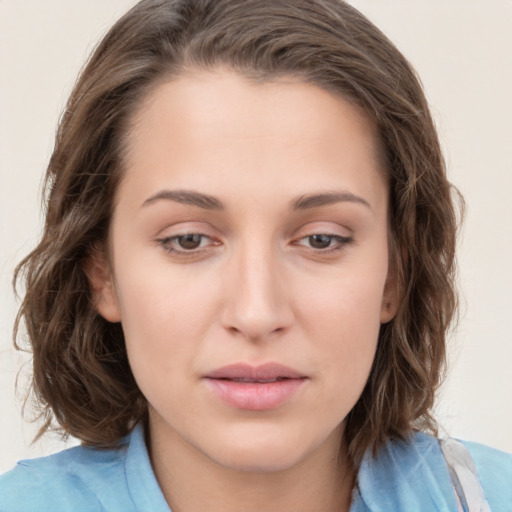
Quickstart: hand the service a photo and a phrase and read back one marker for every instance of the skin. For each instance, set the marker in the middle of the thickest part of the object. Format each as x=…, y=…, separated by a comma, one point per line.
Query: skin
x=256, y=289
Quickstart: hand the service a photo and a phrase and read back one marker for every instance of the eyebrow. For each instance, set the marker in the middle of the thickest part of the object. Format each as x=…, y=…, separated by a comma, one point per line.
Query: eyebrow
x=316, y=200
x=207, y=202
x=186, y=197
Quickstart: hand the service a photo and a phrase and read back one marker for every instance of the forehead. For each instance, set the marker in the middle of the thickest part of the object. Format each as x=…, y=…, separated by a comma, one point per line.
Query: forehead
x=202, y=126
x=198, y=98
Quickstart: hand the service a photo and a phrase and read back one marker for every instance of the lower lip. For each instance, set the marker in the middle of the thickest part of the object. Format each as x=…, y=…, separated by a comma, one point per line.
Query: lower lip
x=255, y=396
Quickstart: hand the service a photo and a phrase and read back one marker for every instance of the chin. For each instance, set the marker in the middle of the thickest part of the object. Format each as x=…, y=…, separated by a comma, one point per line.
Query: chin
x=269, y=460
x=264, y=450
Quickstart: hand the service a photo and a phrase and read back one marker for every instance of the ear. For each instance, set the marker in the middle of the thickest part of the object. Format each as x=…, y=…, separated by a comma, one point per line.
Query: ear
x=390, y=297
x=102, y=285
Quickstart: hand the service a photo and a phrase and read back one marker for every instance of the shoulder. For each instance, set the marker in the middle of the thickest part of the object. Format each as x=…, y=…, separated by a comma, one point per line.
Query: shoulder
x=495, y=472
x=412, y=474
x=73, y=479
x=404, y=475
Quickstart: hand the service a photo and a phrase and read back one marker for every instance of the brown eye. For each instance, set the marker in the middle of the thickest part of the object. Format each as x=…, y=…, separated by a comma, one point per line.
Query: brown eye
x=324, y=243
x=189, y=242
x=320, y=241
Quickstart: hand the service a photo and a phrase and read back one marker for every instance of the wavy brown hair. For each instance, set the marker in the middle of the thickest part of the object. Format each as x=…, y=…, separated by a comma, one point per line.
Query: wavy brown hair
x=81, y=377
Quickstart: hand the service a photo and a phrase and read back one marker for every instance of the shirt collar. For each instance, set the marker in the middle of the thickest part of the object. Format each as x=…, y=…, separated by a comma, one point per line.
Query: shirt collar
x=142, y=483
x=406, y=475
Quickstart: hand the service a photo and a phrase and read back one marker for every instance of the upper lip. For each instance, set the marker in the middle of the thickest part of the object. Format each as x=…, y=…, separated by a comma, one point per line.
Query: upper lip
x=247, y=372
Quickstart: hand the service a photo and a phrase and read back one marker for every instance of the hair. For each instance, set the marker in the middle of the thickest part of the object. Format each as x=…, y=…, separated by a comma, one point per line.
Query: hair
x=82, y=381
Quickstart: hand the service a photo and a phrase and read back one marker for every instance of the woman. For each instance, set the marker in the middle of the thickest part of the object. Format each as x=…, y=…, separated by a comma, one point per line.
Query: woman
x=241, y=295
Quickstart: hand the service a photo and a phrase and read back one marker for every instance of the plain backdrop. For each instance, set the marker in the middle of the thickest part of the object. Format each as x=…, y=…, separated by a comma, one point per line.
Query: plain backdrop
x=463, y=53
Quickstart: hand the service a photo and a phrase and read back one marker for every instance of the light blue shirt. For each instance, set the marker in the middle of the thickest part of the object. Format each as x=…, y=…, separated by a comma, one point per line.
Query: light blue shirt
x=406, y=476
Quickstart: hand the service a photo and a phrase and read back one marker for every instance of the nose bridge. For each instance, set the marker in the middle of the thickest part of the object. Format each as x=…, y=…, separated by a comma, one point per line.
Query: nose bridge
x=256, y=305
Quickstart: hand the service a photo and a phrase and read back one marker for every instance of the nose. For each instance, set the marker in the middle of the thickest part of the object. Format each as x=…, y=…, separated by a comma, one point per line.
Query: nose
x=256, y=304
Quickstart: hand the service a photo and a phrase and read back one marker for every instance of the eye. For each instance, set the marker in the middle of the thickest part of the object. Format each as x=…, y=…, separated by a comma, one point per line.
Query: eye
x=325, y=242
x=186, y=243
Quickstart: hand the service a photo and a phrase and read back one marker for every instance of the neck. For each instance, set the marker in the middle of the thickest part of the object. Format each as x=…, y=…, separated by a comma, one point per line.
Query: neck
x=322, y=481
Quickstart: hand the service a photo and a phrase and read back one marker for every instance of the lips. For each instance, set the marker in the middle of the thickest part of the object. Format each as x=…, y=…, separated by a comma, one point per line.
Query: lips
x=265, y=372
x=255, y=388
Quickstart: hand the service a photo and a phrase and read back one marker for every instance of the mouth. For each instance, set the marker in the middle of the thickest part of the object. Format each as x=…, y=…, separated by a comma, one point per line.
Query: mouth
x=258, y=381
x=255, y=388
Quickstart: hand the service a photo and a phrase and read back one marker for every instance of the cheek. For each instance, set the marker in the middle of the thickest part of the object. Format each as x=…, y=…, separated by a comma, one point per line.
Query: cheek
x=349, y=303
x=344, y=319
x=162, y=298
x=164, y=319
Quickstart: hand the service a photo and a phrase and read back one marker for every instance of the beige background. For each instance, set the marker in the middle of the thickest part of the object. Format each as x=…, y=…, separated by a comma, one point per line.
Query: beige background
x=463, y=52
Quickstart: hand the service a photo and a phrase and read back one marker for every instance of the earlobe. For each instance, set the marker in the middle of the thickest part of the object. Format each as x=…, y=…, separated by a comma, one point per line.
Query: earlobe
x=101, y=282
x=388, y=312
x=390, y=299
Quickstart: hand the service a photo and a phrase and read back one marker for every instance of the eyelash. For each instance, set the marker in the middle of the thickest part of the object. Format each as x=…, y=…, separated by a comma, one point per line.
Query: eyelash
x=167, y=241
x=341, y=243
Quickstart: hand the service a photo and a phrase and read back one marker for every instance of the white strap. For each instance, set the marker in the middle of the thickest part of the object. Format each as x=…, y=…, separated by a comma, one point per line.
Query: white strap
x=464, y=475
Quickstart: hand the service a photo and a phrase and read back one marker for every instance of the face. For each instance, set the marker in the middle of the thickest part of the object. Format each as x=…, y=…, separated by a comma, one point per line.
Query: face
x=248, y=264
